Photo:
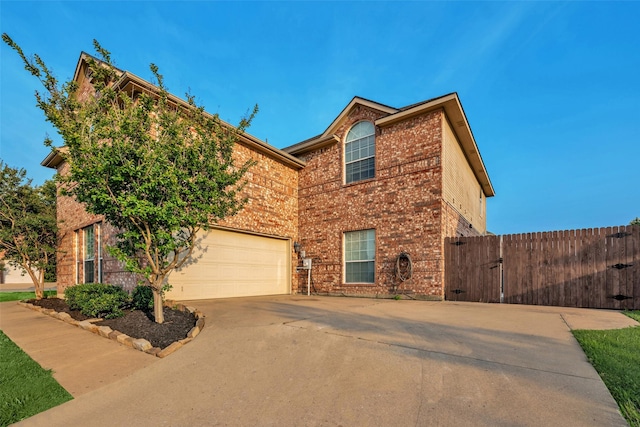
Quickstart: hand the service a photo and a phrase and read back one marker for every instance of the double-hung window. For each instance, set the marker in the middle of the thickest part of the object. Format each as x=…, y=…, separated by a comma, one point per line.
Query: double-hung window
x=360, y=152
x=359, y=256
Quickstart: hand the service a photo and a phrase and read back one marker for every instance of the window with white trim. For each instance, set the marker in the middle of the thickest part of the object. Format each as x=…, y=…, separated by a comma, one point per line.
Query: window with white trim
x=360, y=152
x=359, y=256
x=89, y=250
x=88, y=237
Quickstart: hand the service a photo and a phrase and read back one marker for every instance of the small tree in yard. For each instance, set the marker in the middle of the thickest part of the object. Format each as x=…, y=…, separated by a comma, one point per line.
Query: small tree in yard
x=158, y=169
x=27, y=225
x=635, y=221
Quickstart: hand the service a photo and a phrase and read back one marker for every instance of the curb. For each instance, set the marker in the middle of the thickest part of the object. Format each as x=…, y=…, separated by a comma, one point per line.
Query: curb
x=139, y=344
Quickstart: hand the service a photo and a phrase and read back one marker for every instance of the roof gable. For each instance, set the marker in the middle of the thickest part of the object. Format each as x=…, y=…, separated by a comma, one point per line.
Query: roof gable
x=328, y=136
x=453, y=111
x=128, y=81
x=345, y=112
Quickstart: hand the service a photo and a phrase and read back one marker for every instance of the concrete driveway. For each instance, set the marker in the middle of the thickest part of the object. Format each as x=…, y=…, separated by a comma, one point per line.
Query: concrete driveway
x=322, y=361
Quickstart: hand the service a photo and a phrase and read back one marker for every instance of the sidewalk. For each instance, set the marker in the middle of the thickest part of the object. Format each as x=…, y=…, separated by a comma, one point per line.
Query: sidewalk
x=81, y=361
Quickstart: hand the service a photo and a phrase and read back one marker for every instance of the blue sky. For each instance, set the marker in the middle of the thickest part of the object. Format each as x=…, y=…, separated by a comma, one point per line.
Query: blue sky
x=551, y=89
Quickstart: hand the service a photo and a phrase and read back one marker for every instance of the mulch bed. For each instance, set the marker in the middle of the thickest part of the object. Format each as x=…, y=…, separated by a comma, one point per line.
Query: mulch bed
x=136, y=323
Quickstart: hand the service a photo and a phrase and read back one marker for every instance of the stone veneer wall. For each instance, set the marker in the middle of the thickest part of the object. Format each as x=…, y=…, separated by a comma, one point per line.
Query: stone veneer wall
x=402, y=203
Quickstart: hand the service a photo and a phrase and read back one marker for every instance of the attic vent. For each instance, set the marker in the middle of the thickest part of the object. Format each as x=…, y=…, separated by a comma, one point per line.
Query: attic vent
x=460, y=123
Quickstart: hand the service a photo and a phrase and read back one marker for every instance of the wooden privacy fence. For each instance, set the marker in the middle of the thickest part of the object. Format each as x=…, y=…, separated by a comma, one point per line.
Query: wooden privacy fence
x=595, y=268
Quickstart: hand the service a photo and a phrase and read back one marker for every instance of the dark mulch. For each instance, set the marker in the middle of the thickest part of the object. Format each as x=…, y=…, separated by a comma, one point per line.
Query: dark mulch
x=136, y=323
x=58, y=305
x=176, y=326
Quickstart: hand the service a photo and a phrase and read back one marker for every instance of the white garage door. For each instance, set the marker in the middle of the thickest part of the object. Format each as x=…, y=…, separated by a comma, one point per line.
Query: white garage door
x=231, y=264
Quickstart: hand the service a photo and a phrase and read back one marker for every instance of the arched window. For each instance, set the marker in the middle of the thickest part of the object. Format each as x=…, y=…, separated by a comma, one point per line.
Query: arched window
x=360, y=152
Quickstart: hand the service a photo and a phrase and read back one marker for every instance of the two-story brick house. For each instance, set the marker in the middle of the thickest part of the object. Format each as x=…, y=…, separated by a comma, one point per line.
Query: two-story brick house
x=380, y=182
x=379, y=189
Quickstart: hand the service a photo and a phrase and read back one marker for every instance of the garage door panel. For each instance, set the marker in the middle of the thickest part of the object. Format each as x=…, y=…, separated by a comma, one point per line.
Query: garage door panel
x=232, y=264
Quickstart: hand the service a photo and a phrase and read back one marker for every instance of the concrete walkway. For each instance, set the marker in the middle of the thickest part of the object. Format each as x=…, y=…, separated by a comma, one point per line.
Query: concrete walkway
x=316, y=361
x=81, y=361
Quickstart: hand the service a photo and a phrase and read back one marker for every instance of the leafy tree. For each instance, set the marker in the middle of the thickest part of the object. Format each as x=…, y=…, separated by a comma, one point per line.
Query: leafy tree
x=159, y=169
x=28, y=225
x=635, y=221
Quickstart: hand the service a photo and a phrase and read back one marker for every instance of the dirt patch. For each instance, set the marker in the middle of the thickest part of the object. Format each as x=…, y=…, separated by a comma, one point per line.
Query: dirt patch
x=136, y=323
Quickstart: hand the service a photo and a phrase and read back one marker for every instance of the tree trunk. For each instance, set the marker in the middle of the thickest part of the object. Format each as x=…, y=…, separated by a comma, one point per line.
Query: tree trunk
x=158, y=314
x=38, y=281
x=40, y=286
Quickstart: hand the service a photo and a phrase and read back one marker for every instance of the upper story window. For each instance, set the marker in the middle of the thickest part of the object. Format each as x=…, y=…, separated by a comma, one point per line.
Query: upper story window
x=360, y=152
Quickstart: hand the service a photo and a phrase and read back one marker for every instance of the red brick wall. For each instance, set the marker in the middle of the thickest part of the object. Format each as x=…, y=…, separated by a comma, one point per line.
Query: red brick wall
x=272, y=206
x=72, y=217
x=272, y=209
x=402, y=203
x=272, y=192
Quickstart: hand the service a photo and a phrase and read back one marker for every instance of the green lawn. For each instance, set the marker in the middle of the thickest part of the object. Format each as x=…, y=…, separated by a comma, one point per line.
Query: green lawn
x=25, y=388
x=635, y=315
x=17, y=296
x=615, y=354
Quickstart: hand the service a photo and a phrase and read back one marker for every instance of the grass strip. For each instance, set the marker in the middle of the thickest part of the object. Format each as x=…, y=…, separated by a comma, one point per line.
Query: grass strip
x=635, y=315
x=615, y=354
x=17, y=296
x=25, y=388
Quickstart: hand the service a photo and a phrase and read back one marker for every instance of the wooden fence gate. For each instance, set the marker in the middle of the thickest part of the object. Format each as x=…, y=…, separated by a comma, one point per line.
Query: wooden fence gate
x=595, y=268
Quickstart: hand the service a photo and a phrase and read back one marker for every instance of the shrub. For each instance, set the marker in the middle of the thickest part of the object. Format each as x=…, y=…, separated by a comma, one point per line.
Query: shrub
x=97, y=299
x=142, y=298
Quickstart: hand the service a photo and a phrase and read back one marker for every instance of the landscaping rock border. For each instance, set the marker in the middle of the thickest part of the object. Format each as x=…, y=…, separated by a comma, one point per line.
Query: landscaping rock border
x=135, y=343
